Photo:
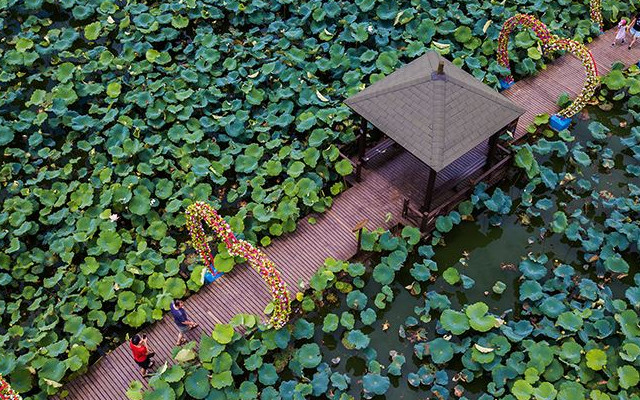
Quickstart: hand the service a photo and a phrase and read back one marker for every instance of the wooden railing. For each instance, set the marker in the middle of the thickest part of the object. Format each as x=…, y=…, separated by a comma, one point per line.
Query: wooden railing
x=426, y=220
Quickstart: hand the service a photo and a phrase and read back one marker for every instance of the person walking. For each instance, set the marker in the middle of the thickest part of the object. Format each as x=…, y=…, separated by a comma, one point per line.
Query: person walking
x=621, y=35
x=141, y=354
x=181, y=319
x=634, y=28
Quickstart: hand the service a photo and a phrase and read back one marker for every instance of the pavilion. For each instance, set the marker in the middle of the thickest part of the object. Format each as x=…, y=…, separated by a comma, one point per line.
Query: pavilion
x=440, y=114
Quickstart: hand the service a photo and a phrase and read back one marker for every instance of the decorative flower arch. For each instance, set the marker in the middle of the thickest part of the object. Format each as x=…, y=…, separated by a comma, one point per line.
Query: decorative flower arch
x=595, y=10
x=551, y=42
x=201, y=211
x=6, y=393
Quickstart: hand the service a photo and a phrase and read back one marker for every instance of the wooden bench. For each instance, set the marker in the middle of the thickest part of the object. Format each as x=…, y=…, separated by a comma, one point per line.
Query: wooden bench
x=378, y=149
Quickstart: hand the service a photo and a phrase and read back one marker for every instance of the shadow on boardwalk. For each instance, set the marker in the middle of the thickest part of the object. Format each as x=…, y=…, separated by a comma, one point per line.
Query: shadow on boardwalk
x=298, y=255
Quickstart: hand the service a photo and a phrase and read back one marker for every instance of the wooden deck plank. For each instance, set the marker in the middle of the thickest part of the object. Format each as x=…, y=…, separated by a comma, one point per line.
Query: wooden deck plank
x=297, y=255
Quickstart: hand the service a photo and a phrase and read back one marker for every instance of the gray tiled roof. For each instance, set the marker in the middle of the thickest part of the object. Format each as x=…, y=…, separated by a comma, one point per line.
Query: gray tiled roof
x=437, y=118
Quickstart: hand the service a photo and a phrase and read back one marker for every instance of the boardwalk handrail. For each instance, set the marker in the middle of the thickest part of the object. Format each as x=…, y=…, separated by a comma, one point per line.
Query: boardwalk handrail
x=425, y=219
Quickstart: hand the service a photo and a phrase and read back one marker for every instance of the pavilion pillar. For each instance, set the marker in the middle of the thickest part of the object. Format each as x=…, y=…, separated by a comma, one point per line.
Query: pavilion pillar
x=493, y=149
x=362, y=139
x=362, y=148
x=428, y=196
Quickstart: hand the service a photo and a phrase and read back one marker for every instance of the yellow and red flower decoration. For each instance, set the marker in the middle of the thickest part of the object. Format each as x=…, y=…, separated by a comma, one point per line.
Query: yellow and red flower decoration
x=595, y=10
x=201, y=211
x=552, y=42
x=6, y=393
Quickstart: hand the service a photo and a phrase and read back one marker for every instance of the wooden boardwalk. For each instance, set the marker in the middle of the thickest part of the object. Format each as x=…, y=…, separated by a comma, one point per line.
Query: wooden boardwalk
x=377, y=198
x=539, y=94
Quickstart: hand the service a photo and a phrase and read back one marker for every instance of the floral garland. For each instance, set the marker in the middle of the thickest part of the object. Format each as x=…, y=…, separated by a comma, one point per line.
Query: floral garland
x=595, y=10
x=552, y=42
x=528, y=21
x=592, y=80
x=201, y=211
x=6, y=393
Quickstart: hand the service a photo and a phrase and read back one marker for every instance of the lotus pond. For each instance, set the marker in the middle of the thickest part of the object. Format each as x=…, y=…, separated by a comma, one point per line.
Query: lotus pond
x=535, y=295
x=115, y=116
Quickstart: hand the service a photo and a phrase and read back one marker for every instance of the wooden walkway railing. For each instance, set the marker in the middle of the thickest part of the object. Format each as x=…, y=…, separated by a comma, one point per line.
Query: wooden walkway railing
x=378, y=198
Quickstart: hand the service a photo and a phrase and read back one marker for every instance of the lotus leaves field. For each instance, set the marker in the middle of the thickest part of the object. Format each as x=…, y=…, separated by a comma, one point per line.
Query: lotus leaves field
x=537, y=297
x=115, y=116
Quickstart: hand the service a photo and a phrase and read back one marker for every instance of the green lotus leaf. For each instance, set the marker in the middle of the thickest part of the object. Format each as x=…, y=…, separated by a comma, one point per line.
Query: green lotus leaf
x=127, y=300
x=157, y=230
x=174, y=374
x=463, y=34
x=175, y=287
x=309, y=355
x=6, y=135
x=267, y=374
x=197, y=384
x=92, y=30
x=140, y=204
x=330, y=323
x=531, y=290
x=221, y=380
x=109, y=242
x=136, y=318
x=209, y=348
x=223, y=333
x=356, y=300
x=383, y=274
x=454, y=321
x=552, y=307
x=616, y=264
x=451, y=276
x=441, y=350
x=303, y=329
x=420, y=272
x=368, y=316
x=525, y=159
x=356, y=269
x=628, y=376
x=253, y=362
x=596, y=359
x=444, y=223
x=615, y=80
x=53, y=370
x=375, y=384
x=358, y=340
x=570, y=321
x=161, y=391
x=499, y=287
x=344, y=167
x=248, y=391
x=478, y=319
x=630, y=352
x=532, y=269
x=91, y=337
x=387, y=61
x=522, y=390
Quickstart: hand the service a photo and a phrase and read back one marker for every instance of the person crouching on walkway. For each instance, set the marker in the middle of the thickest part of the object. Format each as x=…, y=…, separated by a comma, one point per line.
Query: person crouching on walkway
x=141, y=354
x=621, y=35
x=182, y=320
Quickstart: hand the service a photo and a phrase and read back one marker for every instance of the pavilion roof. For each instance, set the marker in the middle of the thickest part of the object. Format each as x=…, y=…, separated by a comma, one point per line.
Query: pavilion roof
x=436, y=117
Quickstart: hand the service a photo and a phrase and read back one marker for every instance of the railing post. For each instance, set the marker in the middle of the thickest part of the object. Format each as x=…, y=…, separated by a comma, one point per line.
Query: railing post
x=423, y=223
x=359, y=228
x=405, y=207
x=359, y=171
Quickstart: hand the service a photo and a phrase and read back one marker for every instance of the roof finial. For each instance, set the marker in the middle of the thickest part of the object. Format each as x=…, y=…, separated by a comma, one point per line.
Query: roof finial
x=441, y=68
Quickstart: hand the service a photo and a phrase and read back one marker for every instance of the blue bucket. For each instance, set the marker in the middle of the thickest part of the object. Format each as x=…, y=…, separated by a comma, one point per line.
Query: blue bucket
x=210, y=277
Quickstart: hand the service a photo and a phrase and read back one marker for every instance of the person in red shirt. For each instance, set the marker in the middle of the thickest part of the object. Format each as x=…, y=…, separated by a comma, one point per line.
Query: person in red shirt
x=141, y=354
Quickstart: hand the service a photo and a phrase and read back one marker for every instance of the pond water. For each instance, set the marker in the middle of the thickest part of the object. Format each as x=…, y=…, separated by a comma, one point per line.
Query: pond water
x=486, y=254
